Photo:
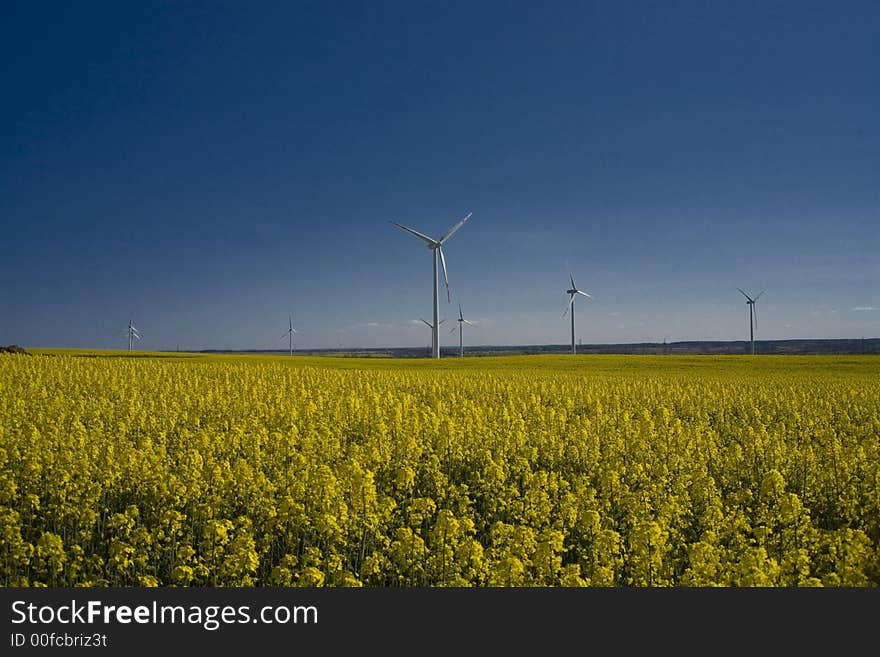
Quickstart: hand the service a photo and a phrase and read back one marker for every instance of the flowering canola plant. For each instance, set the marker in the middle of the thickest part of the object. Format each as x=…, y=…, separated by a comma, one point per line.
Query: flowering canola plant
x=628, y=471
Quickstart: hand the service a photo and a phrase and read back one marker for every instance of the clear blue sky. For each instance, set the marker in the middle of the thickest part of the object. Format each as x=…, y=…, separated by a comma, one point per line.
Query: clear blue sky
x=207, y=168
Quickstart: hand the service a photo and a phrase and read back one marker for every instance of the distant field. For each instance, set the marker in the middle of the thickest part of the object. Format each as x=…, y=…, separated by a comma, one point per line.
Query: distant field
x=842, y=365
x=161, y=469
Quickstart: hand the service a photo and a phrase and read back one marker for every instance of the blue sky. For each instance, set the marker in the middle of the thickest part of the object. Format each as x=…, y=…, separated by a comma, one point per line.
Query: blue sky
x=207, y=168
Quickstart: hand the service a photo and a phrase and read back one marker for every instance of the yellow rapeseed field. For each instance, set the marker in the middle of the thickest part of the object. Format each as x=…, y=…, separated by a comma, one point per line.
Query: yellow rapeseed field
x=519, y=471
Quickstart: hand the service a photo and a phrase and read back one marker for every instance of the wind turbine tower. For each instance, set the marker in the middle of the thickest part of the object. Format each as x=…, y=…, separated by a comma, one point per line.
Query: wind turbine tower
x=132, y=333
x=289, y=333
x=753, y=318
x=436, y=246
x=573, y=292
x=461, y=321
x=433, y=333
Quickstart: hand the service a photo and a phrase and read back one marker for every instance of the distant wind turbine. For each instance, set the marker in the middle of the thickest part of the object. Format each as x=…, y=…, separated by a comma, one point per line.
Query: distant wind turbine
x=461, y=322
x=574, y=291
x=132, y=333
x=753, y=317
x=289, y=333
x=437, y=247
x=434, y=334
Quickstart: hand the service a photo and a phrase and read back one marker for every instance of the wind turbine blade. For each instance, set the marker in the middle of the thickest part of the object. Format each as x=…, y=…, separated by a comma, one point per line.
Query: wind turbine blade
x=570, y=301
x=417, y=234
x=585, y=294
x=744, y=294
x=445, y=277
x=455, y=227
x=453, y=330
x=440, y=322
x=759, y=295
x=284, y=335
x=755, y=313
x=460, y=316
x=468, y=323
x=570, y=275
x=428, y=324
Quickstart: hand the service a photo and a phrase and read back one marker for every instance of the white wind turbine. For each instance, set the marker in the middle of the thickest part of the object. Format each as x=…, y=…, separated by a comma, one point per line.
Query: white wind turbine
x=574, y=291
x=289, y=333
x=433, y=332
x=437, y=247
x=753, y=318
x=132, y=332
x=461, y=322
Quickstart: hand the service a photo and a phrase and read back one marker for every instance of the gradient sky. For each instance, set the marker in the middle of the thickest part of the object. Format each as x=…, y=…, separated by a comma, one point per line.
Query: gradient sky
x=207, y=168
